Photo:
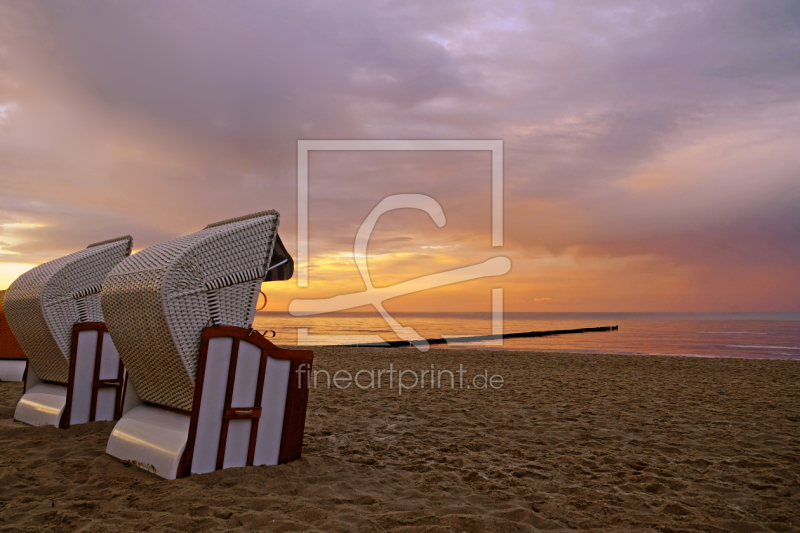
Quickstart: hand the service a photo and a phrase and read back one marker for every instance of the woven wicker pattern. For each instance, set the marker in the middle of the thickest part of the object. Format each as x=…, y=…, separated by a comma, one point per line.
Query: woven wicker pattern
x=158, y=301
x=44, y=303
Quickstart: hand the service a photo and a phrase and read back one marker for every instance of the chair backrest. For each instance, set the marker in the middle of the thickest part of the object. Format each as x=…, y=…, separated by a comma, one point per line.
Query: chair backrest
x=44, y=303
x=158, y=301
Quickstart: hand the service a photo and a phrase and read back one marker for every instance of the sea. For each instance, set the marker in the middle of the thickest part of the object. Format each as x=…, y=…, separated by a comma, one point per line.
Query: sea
x=742, y=335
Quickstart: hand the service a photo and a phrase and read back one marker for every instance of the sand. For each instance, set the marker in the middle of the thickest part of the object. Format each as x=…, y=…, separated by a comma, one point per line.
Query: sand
x=570, y=442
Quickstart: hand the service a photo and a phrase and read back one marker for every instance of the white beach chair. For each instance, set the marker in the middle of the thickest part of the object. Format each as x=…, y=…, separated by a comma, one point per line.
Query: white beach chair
x=12, y=359
x=205, y=391
x=74, y=374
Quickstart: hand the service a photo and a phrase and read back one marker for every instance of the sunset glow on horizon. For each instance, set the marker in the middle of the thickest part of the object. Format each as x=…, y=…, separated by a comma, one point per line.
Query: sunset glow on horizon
x=650, y=149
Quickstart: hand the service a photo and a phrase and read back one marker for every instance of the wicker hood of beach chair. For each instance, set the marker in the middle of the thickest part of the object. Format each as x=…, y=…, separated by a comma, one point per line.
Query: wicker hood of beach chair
x=157, y=302
x=44, y=303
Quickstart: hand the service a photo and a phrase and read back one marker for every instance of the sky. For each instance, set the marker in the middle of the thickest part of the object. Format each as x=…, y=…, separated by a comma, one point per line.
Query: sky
x=651, y=149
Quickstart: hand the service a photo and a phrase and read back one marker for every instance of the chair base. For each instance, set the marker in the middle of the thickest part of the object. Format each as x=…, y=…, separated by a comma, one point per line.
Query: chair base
x=13, y=369
x=42, y=404
x=152, y=438
x=93, y=392
x=239, y=372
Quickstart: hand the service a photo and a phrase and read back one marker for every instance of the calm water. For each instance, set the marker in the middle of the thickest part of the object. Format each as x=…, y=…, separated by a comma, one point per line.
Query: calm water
x=748, y=335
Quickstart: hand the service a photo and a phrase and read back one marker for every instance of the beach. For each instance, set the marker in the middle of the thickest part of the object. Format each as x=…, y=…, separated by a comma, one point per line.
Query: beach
x=559, y=442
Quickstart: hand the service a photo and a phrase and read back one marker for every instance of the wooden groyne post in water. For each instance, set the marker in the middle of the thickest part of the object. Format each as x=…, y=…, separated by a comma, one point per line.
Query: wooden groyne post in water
x=475, y=338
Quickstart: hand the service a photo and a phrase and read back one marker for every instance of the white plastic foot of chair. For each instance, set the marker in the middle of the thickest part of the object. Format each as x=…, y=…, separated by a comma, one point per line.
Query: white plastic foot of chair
x=151, y=438
x=12, y=369
x=42, y=404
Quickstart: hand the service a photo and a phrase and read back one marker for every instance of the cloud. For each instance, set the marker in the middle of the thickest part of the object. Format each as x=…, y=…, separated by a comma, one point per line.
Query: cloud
x=635, y=133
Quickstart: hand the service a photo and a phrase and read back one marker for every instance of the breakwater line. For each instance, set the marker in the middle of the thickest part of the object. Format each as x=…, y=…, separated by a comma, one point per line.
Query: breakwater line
x=477, y=338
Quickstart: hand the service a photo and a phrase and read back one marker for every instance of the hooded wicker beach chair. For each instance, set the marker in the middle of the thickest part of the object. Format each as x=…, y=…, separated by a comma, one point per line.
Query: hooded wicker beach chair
x=205, y=391
x=12, y=359
x=74, y=374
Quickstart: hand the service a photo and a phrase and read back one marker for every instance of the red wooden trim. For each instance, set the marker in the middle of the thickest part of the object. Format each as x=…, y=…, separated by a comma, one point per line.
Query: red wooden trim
x=89, y=326
x=242, y=413
x=296, y=397
x=223, y=432
x=262, y=371
x=98, y=358
x=25, y=377
x=258, y=340
x=182, y=464
x=73, y=362
x=100, y=327
x=123, y=393
x=294, y=416
x=294, y=413
x=119, y=394
x=185, y=464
